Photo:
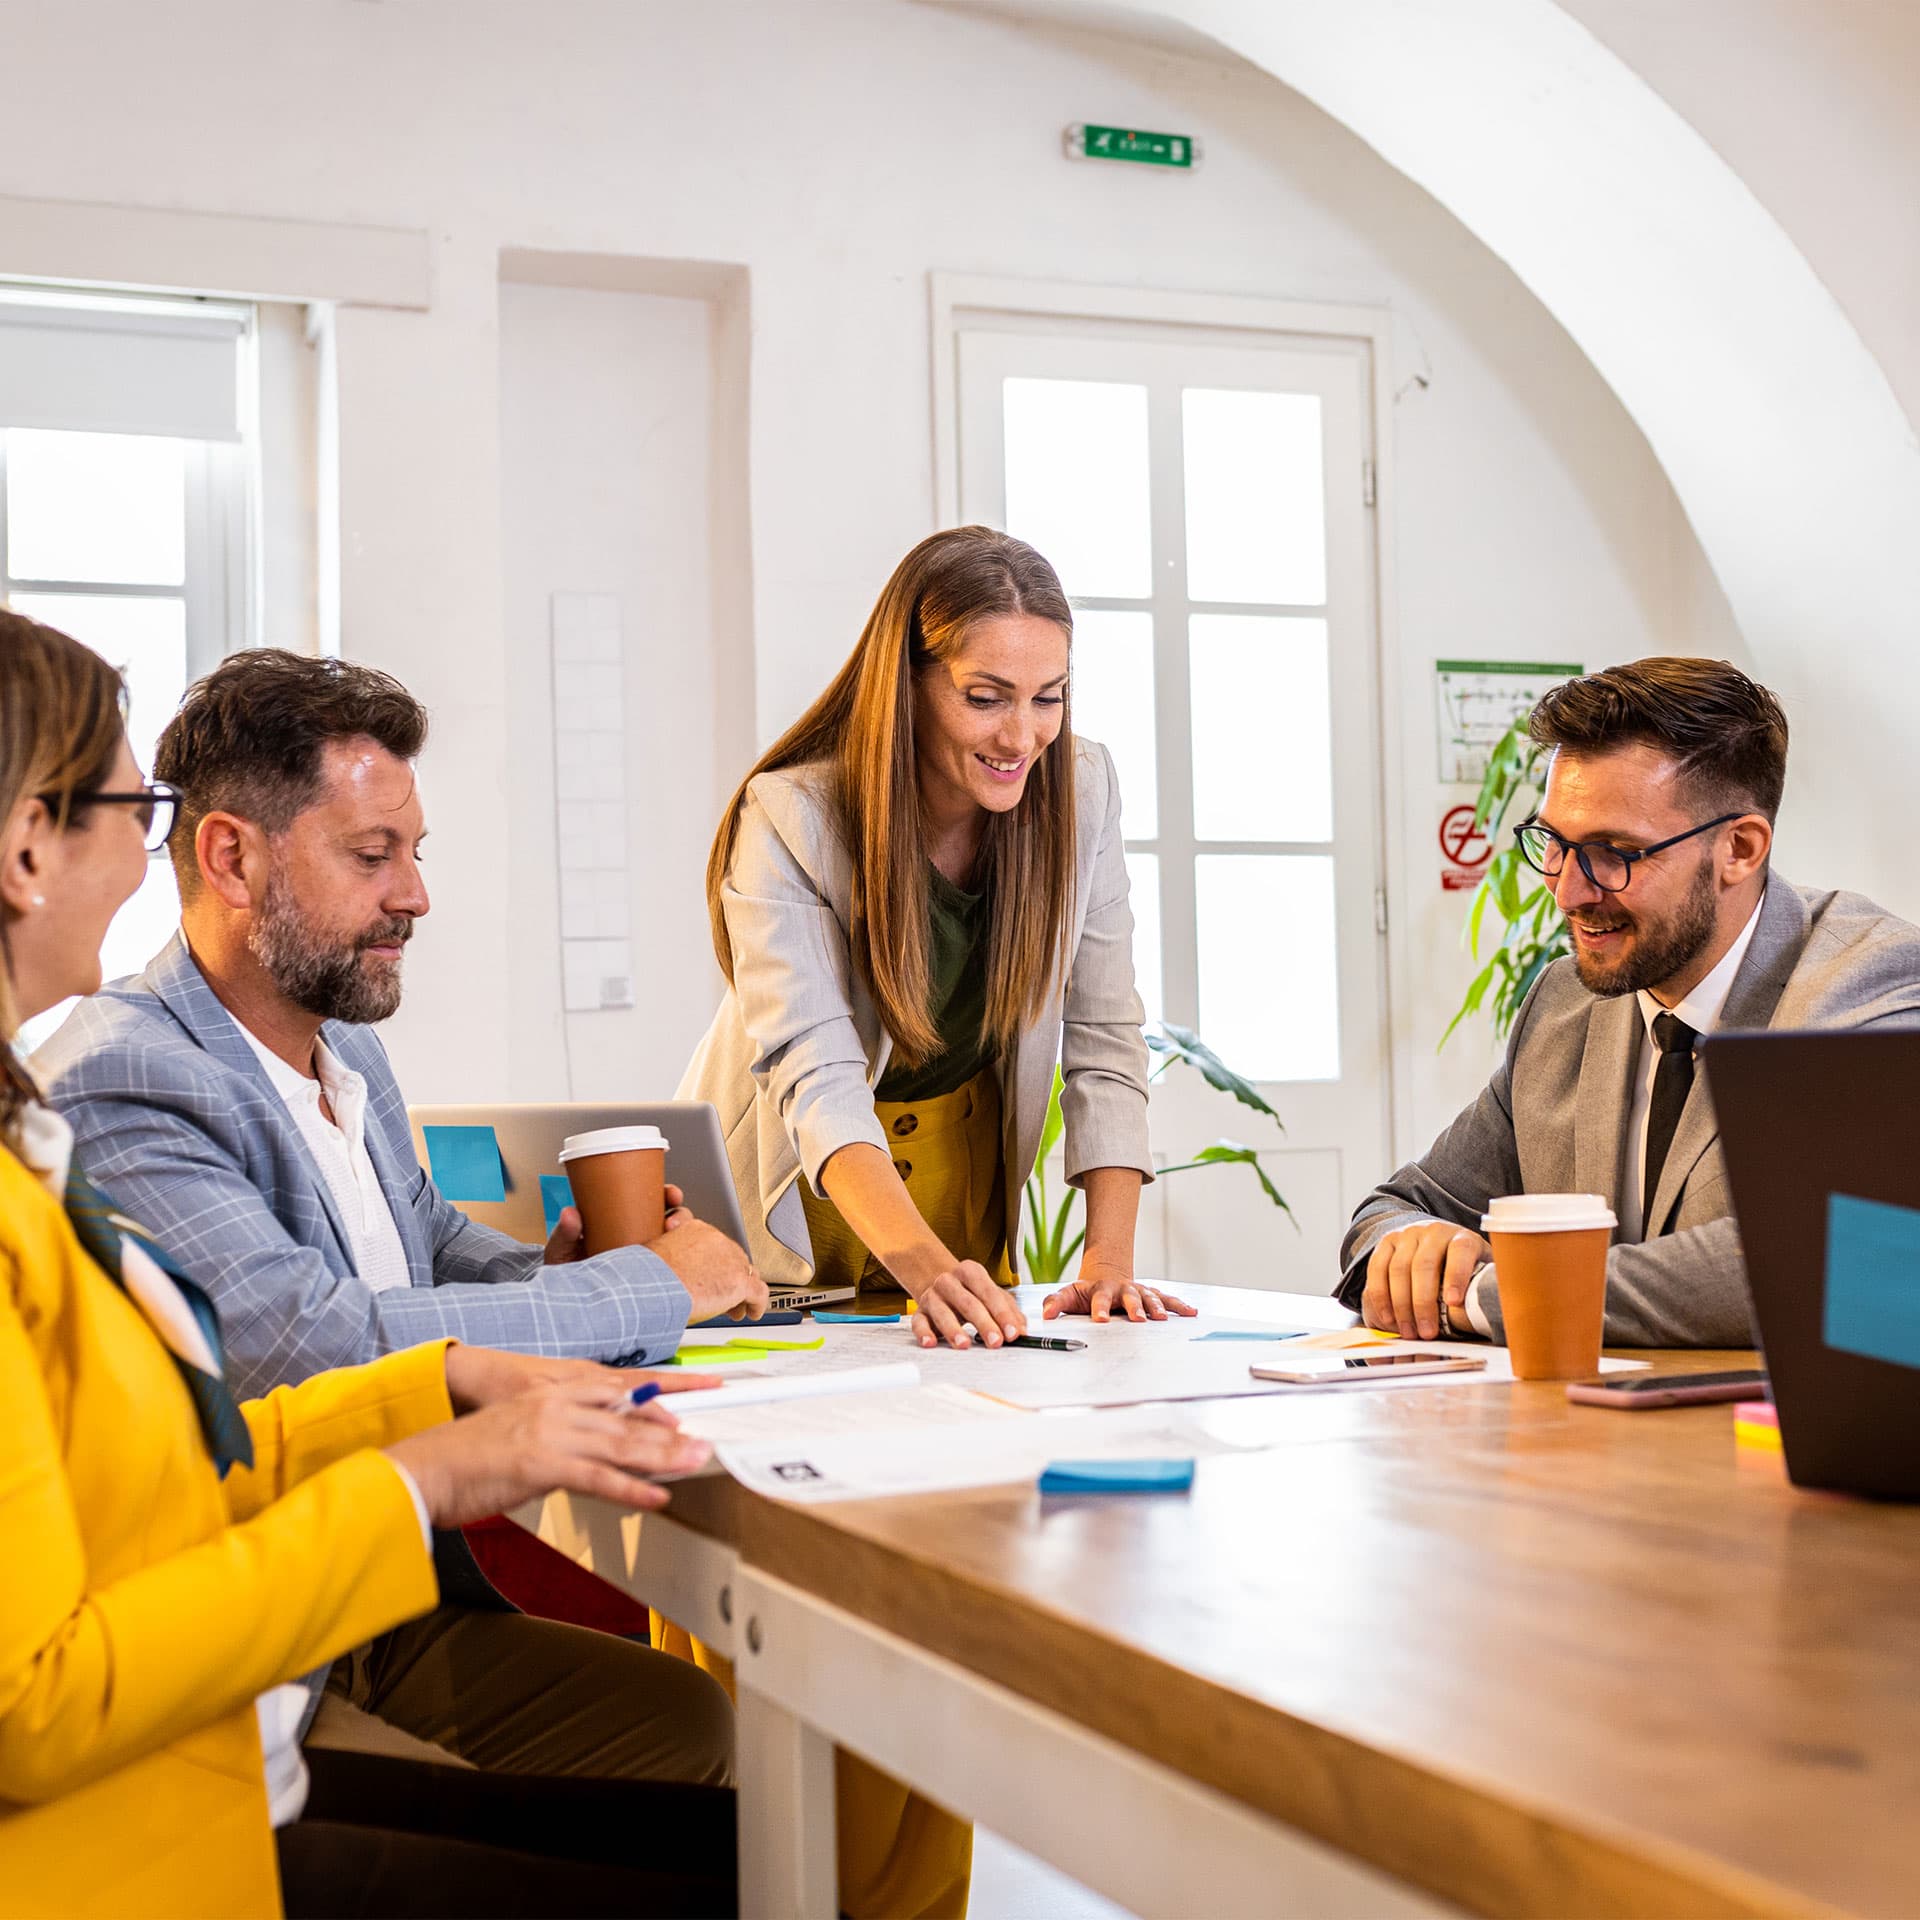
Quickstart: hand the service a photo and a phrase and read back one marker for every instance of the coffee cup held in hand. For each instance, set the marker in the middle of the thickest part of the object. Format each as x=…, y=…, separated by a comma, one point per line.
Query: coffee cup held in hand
x=1550, y=1253
x=619, y=1181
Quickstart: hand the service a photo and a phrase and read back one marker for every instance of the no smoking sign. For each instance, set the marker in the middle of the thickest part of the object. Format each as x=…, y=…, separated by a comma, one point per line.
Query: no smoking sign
x=1465, y=850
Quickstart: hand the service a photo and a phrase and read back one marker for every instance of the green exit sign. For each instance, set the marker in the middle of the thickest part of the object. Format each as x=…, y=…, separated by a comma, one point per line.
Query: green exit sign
x=1128, y=143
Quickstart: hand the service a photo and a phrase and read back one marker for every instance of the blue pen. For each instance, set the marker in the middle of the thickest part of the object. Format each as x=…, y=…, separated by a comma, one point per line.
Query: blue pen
x=641, y=1395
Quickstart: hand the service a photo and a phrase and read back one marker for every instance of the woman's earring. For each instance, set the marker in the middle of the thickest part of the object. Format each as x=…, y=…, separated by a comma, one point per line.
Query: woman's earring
x=39, y=899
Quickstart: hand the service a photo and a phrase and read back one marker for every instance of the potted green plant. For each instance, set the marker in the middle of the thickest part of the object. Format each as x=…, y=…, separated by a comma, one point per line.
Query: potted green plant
x=1533, y=934
x=1047, y=1250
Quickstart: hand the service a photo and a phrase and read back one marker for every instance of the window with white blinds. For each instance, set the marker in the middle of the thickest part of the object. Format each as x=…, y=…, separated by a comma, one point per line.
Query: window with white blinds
x=126, y=450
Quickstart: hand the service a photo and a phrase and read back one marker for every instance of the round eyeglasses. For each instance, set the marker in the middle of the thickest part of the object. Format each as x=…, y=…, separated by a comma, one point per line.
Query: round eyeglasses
x=156, y=806
x=1607, y=867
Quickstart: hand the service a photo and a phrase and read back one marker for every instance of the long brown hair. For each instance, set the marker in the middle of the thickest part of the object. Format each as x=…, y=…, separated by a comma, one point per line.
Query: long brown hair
x=862, y=727
x=60, y=728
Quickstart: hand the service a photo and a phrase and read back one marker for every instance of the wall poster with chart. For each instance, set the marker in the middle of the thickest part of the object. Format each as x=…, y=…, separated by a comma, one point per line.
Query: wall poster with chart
x=1476, y=701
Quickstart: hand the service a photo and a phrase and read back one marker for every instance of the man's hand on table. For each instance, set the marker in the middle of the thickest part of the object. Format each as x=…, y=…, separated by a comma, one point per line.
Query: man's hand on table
x=713, y=1270
x=1407, y=1271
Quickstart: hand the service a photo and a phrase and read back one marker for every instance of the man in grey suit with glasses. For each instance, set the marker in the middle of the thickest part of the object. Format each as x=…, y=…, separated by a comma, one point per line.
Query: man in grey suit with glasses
x=1655, y=833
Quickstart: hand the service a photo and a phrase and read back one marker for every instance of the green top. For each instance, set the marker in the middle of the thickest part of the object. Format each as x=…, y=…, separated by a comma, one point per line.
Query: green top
x=960, y=924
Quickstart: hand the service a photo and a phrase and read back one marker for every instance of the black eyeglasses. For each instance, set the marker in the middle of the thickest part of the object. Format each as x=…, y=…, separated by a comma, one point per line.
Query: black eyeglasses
x=156, y=806
x=1608, y=868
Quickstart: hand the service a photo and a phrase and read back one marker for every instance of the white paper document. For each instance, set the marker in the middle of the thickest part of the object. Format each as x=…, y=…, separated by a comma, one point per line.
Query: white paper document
x=871, y=1412
x=936, y=1454
x=1126, y=1363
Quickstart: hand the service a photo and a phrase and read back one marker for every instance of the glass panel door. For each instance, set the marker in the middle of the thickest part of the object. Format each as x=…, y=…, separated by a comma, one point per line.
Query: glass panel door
x=1203, y=504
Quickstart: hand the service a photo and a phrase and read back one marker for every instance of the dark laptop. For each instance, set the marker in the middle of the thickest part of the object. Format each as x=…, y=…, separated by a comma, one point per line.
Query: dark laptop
x=1821, y=1134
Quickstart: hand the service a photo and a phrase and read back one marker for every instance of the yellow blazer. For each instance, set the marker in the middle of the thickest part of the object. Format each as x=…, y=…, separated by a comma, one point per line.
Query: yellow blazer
x=145, y=1602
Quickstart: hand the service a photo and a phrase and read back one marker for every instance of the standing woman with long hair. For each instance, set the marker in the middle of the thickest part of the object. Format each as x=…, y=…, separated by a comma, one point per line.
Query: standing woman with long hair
x=919, y=900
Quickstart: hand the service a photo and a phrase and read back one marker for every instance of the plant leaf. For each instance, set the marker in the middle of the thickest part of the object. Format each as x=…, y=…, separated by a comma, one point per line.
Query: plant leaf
x=1184, y=1044
x=1230, y=1153
x=1054, y=1125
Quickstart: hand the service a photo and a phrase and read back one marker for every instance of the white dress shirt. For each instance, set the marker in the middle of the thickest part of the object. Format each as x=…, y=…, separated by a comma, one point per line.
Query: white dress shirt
x=47, y=1143
x=1700, y=1010
x=339, y=1147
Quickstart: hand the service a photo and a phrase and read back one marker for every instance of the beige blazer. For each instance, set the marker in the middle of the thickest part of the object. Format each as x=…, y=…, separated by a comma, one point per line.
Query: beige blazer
x=797, y=1048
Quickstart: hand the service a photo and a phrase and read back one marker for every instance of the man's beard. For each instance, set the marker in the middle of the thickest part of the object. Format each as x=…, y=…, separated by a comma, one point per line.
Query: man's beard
x=325, y=976
x=1660, y=948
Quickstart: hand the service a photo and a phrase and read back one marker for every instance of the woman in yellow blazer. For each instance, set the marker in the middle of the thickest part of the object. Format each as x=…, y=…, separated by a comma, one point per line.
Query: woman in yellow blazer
x=169, y=1556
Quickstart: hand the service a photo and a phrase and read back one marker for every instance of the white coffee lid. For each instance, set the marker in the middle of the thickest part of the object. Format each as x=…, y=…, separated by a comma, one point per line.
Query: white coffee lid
x=583, y=1146
x=1547, y=1213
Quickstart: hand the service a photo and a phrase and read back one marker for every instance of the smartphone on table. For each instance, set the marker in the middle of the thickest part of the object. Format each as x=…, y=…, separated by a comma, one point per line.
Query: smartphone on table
x=1326, y=1369
x=1634, y=1392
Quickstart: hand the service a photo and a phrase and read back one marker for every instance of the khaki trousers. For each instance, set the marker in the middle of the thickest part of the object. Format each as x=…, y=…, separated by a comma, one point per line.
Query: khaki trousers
x=507, y=1693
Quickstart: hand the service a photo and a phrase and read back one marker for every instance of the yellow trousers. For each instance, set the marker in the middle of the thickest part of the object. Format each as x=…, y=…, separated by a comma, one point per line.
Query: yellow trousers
x=902, y=1857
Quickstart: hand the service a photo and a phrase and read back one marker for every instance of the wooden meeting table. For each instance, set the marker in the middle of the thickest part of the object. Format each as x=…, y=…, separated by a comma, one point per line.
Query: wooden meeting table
x=1465, y=1646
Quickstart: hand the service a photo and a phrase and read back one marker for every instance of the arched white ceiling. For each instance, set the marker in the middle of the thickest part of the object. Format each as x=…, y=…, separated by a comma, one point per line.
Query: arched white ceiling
x=1782, y=435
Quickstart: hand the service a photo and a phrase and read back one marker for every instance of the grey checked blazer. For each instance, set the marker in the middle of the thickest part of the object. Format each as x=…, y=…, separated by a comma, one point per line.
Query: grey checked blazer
x=798, y=1046
x=174, y=1116
x=1554, y=1119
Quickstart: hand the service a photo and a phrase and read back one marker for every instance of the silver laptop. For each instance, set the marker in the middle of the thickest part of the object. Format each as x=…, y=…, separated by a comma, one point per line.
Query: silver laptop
x=529, y=1141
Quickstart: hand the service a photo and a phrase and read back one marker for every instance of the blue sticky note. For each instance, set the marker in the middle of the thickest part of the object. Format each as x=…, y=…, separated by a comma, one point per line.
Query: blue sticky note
x=1236, y=1334
x=556, y=1191
x=1873, y=1279
x=1117, y=1476
x=466, y=1162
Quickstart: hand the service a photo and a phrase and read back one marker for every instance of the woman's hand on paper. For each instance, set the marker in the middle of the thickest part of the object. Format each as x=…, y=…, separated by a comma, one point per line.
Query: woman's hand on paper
x=1096, y=1295
x=963, y=1298
x=483, y=1376
x=575, y=1433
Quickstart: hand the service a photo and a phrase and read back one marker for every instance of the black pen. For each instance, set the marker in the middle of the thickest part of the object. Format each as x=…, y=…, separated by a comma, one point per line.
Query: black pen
x=1048, y=1345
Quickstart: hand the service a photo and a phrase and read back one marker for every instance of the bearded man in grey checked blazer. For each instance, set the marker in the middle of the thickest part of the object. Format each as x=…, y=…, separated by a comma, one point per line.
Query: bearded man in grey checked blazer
x=236, y=1101
x=1655, y=833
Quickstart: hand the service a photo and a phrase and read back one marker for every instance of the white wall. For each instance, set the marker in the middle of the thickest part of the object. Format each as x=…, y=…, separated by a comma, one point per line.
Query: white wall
x=605, y=430
x=1811, y=102
x=838, y=150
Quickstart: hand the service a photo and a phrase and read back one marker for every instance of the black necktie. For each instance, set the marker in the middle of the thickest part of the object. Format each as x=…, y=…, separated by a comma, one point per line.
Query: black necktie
x=1672, y=1082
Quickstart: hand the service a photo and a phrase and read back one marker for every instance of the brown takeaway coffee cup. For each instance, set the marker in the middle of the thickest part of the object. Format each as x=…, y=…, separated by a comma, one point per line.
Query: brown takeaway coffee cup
x=1550, y=1253
x=619, y=1181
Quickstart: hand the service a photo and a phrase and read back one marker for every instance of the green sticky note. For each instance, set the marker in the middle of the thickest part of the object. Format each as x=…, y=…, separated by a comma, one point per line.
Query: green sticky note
x=465, y=1163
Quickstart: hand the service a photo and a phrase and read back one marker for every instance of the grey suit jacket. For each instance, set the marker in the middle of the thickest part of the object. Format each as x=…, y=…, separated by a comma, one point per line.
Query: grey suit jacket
x=798, y=1046
x=1554, y=1118
x=174, y=1116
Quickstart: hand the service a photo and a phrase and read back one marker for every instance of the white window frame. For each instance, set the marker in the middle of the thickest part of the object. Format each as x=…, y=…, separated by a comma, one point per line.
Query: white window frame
x=220, y=587
x=959, y=301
